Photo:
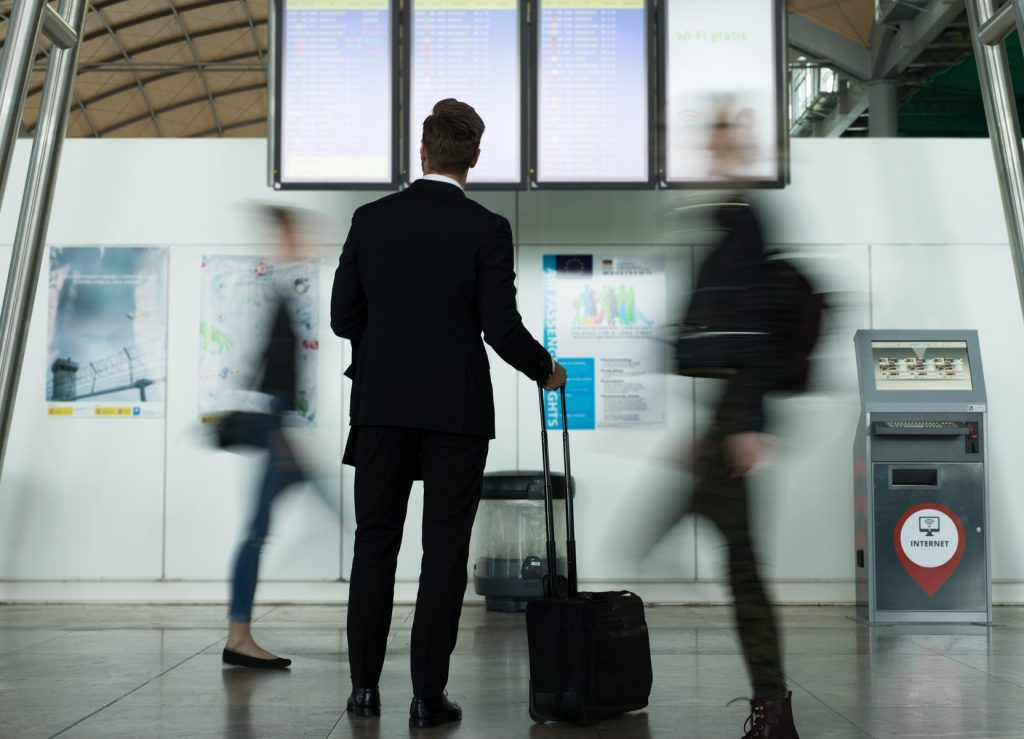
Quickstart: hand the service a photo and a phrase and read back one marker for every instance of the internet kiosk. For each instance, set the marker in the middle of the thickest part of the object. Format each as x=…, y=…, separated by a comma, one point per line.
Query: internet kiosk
x=920, y=483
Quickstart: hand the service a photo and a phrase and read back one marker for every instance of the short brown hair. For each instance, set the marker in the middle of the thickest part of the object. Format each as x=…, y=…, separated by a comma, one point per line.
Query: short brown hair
x=451, y=135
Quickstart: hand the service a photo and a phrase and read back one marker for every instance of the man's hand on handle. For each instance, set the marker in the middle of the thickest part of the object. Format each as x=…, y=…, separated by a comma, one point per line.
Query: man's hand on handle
x=556, y=379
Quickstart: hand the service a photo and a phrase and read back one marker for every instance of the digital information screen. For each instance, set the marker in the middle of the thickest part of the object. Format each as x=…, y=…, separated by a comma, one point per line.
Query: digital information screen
x=921, y=365
x=593, y=92
x=335, y=76
x=722, y=61
x=470, y=50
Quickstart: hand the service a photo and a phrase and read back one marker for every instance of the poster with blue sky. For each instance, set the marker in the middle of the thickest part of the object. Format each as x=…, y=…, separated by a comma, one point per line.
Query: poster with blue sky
x=107, y=351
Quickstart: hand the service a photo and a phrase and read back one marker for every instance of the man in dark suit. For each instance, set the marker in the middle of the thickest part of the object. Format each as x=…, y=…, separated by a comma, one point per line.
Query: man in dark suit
x=424, y=274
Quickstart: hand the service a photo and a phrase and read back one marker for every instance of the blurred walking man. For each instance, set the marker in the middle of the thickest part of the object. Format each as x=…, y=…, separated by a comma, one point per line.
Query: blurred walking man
x=752, y=321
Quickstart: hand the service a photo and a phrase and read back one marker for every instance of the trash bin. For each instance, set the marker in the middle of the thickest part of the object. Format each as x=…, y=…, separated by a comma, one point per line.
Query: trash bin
x=512, y=538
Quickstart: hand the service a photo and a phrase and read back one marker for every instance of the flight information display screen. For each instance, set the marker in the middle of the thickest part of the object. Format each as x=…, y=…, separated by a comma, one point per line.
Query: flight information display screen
x=335, y=75
x=921, y=365
x=470, y=50
x=593, y=92
x=722, y=66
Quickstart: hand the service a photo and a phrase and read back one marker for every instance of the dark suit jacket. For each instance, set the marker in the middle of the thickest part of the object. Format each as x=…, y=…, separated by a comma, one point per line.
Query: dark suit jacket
x=424, y=274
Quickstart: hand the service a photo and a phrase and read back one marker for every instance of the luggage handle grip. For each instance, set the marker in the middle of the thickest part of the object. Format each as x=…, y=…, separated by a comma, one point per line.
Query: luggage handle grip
x=549, y=503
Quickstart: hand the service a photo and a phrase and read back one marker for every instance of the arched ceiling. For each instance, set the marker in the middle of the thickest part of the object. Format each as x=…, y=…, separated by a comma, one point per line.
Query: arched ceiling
x=179, y=68
x=853, y=19
x=166, y=68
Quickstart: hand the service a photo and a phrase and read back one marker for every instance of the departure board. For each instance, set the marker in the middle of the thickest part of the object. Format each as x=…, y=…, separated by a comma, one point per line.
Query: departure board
x=336, y=93
x=469, y=50
x=722, y=64
x=593, y=93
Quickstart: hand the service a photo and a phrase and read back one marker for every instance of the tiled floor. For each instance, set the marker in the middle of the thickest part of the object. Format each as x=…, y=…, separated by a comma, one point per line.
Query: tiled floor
x=134, y=671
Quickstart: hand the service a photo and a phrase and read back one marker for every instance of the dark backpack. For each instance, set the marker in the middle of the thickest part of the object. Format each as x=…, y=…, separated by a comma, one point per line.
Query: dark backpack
x=769, y=322
x=802, y=316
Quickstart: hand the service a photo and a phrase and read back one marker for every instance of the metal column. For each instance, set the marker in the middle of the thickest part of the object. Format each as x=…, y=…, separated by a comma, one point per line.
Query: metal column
x=883, y=109
x=989, y=28
x=15, y=68
x=65, y=30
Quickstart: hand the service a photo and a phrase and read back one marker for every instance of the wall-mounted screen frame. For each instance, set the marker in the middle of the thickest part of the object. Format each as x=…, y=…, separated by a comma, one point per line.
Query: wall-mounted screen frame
x=279, y=34
x=650, y=107
x=413, y=121
x=779, y=177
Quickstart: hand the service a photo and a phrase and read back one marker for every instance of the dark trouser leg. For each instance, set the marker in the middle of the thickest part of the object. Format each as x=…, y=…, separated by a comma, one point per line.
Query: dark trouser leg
x=281, y=470
x=453, y=468
x=724, y=501
x=385, y=468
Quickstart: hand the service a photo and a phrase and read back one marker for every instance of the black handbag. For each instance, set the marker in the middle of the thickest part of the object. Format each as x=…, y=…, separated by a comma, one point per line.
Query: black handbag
x=237, y=429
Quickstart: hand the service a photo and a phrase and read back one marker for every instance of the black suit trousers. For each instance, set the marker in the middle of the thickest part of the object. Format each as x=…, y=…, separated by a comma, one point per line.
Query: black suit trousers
x=387, y=460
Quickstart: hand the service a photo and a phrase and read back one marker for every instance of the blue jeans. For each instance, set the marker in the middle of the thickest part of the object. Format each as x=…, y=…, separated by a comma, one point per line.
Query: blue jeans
x=282, y=470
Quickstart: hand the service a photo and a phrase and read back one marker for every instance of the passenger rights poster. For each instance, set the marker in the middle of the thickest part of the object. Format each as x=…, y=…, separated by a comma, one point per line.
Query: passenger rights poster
x=107, y=352
x=600, y=317
x=240, y=295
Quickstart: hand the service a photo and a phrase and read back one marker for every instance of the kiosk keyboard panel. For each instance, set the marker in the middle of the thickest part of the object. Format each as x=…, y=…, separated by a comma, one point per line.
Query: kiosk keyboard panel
x=915, y=427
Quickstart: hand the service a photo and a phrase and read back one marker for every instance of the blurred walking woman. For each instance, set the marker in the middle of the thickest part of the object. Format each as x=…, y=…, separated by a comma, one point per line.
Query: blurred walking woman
x=277, y=382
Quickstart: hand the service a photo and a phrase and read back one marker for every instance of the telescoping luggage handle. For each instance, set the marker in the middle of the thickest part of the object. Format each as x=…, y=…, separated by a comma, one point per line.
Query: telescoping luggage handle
x=549, y=503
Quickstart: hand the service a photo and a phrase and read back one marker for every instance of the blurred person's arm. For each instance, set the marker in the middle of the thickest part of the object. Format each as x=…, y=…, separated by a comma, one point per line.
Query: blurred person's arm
x=744, y=451
x=499, y=317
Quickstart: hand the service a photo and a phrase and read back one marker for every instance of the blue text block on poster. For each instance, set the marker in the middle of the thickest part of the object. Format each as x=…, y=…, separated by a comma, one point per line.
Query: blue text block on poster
x=579, y=397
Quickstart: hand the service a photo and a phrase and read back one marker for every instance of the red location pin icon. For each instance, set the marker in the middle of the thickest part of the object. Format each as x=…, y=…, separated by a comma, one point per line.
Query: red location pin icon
x=930, y=542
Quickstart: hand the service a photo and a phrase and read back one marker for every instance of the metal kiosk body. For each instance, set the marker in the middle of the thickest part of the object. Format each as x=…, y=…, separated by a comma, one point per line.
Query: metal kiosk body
x=920, y=480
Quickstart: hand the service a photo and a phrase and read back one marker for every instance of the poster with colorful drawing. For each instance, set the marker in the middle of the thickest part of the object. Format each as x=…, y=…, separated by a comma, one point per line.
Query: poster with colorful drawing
x=107, y=333
x=601, y=313
x=239, y=298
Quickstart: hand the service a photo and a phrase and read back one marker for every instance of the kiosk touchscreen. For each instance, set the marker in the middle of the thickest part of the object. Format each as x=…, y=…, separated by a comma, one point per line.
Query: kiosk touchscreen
x=920, y=484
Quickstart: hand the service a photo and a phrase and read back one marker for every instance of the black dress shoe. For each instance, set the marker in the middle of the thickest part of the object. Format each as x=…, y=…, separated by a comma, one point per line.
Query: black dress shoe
x=231, y=657
x=425, y=713
x=364, y=702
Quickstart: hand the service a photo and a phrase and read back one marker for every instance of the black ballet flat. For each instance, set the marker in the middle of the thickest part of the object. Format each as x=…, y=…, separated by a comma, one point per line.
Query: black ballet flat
x=231, y=657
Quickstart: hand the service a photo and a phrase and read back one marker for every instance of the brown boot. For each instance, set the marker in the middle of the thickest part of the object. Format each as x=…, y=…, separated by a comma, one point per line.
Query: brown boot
x=771, y=718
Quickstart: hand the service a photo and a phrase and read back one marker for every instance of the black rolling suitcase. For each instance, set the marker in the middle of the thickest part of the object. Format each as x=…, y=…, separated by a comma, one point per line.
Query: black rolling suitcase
x=590, y=655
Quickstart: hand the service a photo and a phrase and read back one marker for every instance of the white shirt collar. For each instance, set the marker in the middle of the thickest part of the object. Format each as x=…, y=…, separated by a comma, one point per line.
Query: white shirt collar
x=443, y=178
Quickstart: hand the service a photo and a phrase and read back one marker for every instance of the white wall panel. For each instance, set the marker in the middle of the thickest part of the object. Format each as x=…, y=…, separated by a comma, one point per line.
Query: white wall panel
x=84, y=499
x=79, y=497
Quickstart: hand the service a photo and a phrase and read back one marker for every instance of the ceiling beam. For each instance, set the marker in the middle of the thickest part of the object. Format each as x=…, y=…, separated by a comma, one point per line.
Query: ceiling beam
x=203, y=33
x=229, y=127
x=821, y=43
x=172, y=70
x=916, y=35
x=129, y=54
x=123, y=54
x=149, y=17
x=195, y=55
x=180, y=104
